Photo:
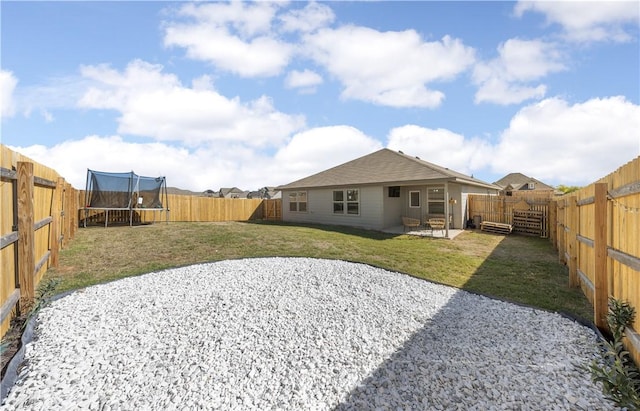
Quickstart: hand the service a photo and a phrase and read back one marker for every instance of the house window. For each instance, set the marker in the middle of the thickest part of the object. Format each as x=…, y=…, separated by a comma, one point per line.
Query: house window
x=353, y=202
x=435, y=200
x=532, y=186
x=346, y=201
x=394, y=191
x=338, y=202
x=414, y=199
x=298, y=201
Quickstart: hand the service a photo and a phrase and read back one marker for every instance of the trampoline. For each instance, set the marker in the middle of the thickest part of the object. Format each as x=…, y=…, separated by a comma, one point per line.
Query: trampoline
x=126, y=194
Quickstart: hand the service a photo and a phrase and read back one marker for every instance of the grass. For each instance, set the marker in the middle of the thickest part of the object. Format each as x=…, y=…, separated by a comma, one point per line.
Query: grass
x=519, y=269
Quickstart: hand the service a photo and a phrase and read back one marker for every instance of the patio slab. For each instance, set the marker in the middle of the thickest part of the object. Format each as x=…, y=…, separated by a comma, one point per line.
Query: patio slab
x=424, y=232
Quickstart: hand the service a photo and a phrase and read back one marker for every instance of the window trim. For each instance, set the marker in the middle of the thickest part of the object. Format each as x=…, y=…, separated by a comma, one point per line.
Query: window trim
x=419, y=199
x=345, y=203
x=340, y=203
x=356, y=202
x=298, y=195
x=393, y=192
x=438, y=201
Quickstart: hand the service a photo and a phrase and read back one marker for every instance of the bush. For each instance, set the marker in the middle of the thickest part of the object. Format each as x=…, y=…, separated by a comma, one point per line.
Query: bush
x=616, y=371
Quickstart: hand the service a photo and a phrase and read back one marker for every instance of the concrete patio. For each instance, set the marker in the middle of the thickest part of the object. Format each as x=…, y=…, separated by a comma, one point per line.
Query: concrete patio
x=424, y=232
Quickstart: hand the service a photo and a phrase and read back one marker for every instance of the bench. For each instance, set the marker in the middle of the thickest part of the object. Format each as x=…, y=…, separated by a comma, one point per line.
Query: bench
x=497, y=228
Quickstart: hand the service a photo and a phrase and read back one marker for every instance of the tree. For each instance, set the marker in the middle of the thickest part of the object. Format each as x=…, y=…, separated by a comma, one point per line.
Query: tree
x=567, y=189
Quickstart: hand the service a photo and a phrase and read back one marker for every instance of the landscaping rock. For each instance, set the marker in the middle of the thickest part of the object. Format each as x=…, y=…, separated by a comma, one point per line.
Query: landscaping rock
x=300, y=333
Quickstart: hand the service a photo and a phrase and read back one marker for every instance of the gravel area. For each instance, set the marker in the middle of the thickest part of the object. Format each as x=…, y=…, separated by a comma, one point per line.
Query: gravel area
x=300, y=334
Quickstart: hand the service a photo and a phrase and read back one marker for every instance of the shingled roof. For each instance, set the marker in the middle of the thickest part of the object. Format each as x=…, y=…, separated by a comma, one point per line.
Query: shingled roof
x=515, y=181
x=385, y=167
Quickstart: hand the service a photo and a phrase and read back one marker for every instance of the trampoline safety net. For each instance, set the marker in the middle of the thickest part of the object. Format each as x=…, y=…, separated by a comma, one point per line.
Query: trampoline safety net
x=125, y=191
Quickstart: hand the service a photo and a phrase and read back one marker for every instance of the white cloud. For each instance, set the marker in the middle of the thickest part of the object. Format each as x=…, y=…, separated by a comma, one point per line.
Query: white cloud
x=248, y=19
x=586, y=21
x=209, y=167
x=388, y=68
x=57, y=92
x=232, y=36
x=154, y=104
x=553, y=141
x=505, y=79
x=570, y=144
x=8, y=84
x=306, y=80
x=48, y=117
x=197, y=170
x=312, y=17
x=442, y=147
x=320, y=148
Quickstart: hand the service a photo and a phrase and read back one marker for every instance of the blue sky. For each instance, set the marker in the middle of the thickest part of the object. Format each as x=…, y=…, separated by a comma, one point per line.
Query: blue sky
x=259, y=94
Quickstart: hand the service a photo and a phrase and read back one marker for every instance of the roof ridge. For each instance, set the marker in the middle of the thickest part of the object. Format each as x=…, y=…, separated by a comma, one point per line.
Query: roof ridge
x=381, y=166
x=426, y=163
x=436, y=167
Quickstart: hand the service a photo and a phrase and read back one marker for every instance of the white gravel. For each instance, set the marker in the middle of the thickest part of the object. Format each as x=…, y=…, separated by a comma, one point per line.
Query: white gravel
x=300, y=334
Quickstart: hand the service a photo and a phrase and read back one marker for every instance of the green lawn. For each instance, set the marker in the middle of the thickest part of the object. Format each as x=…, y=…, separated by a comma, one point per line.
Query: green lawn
x=515, y=268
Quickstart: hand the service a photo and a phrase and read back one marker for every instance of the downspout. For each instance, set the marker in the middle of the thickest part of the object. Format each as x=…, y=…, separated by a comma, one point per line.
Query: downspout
x=446, y=208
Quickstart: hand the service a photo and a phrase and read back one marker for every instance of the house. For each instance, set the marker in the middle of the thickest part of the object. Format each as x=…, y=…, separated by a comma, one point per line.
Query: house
x=377, y=190
x=518, y=182
x=233, y=192
x=264, y=193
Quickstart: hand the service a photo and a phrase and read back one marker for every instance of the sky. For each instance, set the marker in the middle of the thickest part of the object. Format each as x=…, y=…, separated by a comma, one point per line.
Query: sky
x=259, y=94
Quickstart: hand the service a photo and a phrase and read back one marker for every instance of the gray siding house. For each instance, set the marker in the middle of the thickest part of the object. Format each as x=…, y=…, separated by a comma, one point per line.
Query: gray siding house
x=518, y=182
x=377, y=190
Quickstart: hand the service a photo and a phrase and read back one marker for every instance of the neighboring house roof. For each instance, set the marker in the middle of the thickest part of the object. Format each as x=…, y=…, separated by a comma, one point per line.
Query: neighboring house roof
x=237, y=194
x=228, y=192
x=386, y=167
x=519, y=181
x=264, y=193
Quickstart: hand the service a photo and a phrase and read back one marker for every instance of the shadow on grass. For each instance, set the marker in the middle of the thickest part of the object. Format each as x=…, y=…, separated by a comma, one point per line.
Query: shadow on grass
x=525, y=270
x=469, y=355
x=359, y=232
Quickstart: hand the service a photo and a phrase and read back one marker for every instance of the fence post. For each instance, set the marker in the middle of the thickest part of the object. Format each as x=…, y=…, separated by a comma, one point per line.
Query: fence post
x=572, y=247
x=552, y=224
x=26, y=258
x=73, y=209
x=54, y=236
x=68, y=214
x=560, y=229
x=601, y=289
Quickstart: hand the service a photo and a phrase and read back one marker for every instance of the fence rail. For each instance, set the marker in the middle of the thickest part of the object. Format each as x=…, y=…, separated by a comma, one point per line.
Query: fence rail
x=37, y=219
x=597, y=234
x=188, y=209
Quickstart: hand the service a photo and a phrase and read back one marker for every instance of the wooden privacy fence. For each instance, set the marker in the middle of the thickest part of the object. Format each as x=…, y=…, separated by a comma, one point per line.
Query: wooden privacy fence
x=272, y=209
x=598, y=237
x=191, y=209
x=204, y=209
x=201, y=209
x=38, y=218
x=527, y=214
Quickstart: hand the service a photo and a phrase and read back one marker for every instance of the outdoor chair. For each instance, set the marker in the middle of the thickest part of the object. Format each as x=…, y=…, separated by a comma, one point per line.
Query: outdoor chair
x=436, y=224
x=410, y=222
